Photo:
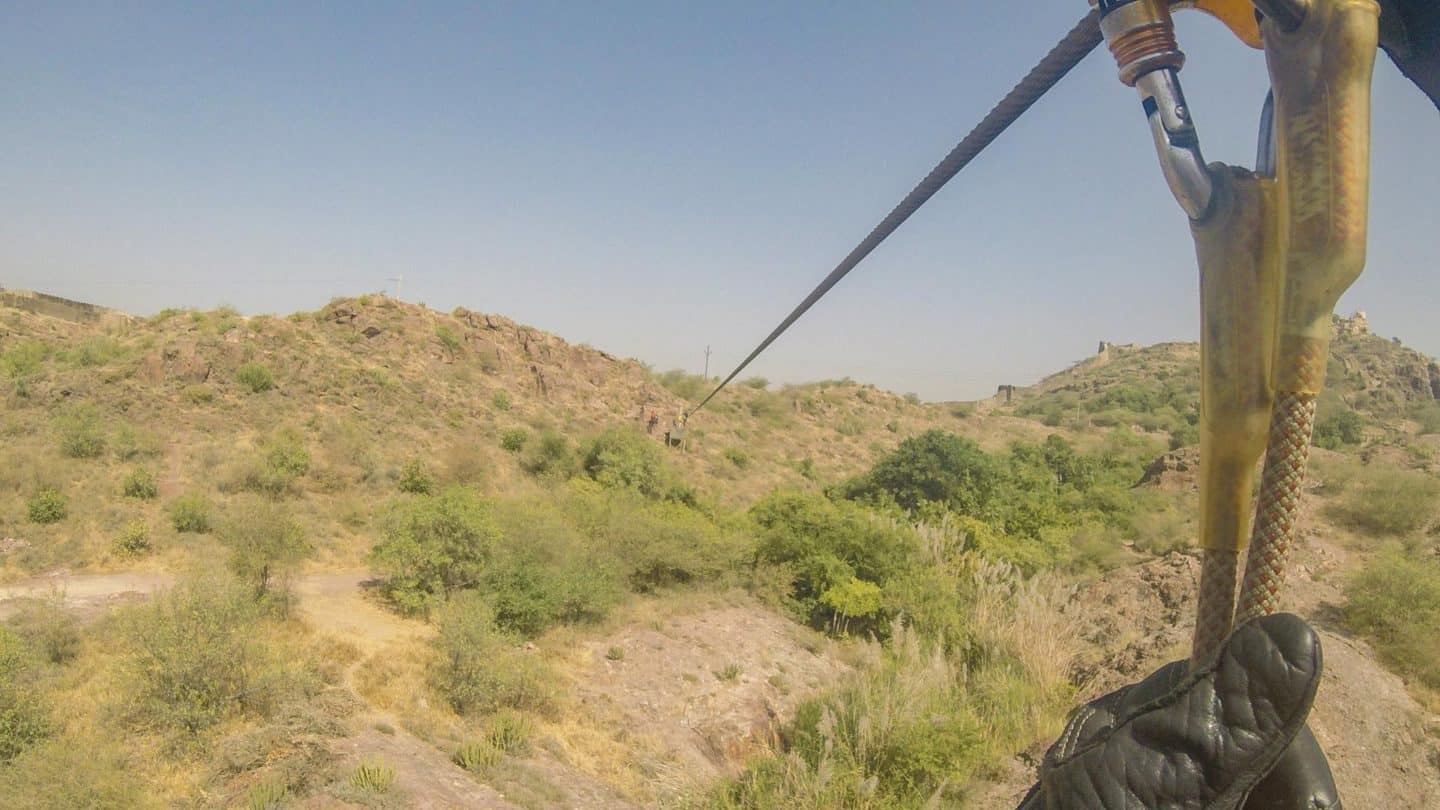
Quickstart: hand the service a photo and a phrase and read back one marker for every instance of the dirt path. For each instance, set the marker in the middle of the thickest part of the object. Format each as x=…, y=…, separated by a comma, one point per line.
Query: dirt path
x=339, y=603
x=426, y=776
x=85, y=593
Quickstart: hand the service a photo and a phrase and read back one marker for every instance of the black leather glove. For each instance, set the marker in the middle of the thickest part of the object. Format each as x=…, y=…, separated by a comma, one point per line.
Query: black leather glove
x=1207, y=739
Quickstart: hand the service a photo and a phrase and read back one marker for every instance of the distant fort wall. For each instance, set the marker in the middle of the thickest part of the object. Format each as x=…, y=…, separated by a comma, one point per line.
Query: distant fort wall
x=56, y=307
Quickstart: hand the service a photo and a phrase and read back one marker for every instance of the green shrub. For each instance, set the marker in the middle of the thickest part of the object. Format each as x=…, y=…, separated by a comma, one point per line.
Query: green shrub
x=81, y=432
x=433, y=546
x=24, y=715
x=513, y=440
x=47, y=505
x=286, y=455
x=510, y=731
x=96, y=350
x=655, y=544
x=550, y=457
x=625, y=459
x=50, y=631
x=256, y=377
x=1339, y=427
x=934, y=467
x=415, y=478
x=140, y=483
x=198, y=394
x=758, y=383
x=545, y=571
x=684, y=384
x=449, y=338
x=190, y=513
x=1395, y=603
x=267, y=544
x=481, y=670
x=826, y=545
x=23, y=358
x=738, y=457
x=501, y=401
x=192, y=655
x=130, y=443
x=281, y=459
x=1384, y=501
x=134, y=538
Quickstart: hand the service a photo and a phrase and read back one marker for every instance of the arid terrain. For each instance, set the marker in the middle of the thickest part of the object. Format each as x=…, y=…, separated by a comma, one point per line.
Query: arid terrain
x=378, y=555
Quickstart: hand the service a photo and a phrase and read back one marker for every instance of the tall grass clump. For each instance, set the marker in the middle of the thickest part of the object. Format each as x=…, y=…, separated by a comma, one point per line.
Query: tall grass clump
x=917, y=723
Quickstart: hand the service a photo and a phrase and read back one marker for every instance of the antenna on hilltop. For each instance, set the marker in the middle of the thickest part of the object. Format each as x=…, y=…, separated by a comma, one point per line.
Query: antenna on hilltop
x=399, y=283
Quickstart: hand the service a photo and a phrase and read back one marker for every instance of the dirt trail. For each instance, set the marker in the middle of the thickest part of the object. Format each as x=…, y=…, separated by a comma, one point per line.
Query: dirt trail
x=85, y=593
x=337, y=603
x=425, y=775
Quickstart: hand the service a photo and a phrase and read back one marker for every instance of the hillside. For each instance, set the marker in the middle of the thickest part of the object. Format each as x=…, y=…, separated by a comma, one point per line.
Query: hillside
x=431, y=559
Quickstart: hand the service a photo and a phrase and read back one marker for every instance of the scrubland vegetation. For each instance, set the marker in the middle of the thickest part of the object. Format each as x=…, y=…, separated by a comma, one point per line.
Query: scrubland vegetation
x=509, y=529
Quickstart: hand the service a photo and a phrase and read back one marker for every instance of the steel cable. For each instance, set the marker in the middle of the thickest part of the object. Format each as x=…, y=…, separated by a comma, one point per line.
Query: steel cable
x=1081, y=40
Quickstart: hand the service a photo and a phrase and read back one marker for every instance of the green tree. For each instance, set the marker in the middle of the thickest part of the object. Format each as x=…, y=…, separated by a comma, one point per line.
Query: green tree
x=824, y=545
x=934, y=467
x=433, y=546
x=266, y=544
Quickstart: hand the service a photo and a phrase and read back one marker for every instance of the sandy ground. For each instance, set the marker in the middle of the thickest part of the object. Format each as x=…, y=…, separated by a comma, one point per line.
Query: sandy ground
x=85, y=593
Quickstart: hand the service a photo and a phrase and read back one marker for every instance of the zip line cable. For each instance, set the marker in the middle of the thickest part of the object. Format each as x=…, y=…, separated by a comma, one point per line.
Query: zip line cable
x=1081, y=40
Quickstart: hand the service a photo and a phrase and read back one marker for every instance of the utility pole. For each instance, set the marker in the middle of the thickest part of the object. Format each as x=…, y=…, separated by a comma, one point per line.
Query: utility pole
x=707, y=362
x=399, y=284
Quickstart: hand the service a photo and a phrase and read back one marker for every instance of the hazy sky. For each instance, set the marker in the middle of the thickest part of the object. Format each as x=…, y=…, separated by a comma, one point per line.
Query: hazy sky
x=647, y=177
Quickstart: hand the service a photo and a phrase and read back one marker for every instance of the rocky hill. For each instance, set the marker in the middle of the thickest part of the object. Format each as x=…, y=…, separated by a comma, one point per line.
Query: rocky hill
x=339, y=414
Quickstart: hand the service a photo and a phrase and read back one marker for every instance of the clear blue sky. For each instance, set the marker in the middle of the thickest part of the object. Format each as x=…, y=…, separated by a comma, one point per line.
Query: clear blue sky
x=647, y=177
